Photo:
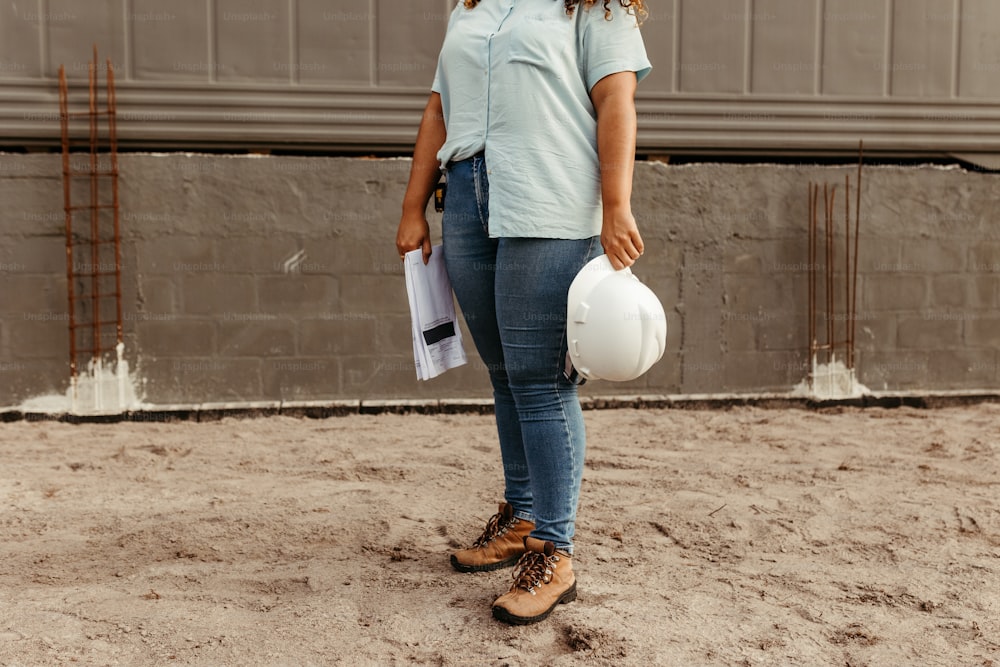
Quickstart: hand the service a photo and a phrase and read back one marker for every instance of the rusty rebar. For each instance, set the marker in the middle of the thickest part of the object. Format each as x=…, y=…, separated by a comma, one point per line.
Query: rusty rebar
x=813, y=201
x=75, y=247
x=68, y=206
x=830, y=300
x=113, y=141
x=854, y=274
x=95, y=213
x=849, y=352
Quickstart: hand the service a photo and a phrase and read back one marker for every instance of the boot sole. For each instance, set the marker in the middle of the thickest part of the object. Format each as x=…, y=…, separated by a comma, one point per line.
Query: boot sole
x=489, y=567
x=502, y=614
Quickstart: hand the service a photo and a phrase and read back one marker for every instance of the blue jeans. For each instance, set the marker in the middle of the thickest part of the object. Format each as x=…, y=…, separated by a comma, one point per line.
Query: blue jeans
x=512, y=292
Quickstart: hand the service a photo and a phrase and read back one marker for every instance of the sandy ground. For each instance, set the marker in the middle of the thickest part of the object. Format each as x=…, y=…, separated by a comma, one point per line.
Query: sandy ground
x=735, y=537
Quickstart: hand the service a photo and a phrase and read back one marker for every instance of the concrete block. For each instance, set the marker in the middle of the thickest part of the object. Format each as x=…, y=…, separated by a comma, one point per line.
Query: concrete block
x=22, y=379
x=39, y=336
x=376, y=294
x=887, y=370
x=744, y=263
x=784, y=259
x=960, y=290
x=760, y=371
x=703, y=264
x=301, y=378
x=983, y=331
x=36, y=254
x=986, y=291
x=393, y=334
x=25, y=296
x=177, y=338
x=33, y=206
x=342, y=258
x=701, y=373
x=783, y=330
x=346, y=335
x=984, y=257
x=200, y=379
x=894, y=292
x=739, y=334
x=964, y=368
x=297, y=294
x=934, y=255
x=932, y=332
x=661, y=258
x=758, y=298
x=157, y=298
x=877, y=254
x=178, y=255
x=666, y=289
x=276, y=255
x=223, y=296
x=265, y=339
x=875, y=331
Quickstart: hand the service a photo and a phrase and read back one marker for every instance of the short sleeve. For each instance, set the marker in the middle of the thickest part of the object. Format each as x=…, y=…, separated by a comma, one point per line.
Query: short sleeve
x=436, y=85
x=438, y=74
x=611, y=46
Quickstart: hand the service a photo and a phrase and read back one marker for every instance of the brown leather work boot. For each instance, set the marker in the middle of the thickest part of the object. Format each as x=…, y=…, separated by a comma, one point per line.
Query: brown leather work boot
x=500, y=545
x=543, y=578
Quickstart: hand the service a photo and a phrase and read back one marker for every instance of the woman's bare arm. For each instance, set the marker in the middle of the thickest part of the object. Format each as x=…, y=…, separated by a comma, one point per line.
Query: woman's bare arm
x=614, y=101
x=414, y=231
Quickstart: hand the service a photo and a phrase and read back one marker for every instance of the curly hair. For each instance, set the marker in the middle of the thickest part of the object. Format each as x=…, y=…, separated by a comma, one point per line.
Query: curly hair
x=635, y=7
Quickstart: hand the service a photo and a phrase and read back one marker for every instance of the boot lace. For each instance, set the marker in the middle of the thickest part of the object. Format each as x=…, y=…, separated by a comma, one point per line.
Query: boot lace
x=533, y=570
x=495, y=527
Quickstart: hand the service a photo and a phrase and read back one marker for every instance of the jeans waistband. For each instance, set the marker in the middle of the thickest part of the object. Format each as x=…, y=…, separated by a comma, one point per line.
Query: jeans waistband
x=452, y=163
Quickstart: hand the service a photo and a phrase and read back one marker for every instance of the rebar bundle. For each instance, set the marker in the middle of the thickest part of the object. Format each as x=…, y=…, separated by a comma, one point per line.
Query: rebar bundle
x=93, y=251
x=846, y=341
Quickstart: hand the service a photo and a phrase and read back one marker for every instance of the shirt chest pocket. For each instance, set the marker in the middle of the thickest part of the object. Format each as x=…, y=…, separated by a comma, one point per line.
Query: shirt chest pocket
x=542, y=41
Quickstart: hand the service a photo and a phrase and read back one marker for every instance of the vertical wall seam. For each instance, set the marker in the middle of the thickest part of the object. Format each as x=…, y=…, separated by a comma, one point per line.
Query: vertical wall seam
x=890, y=34
x=128, y=25
x=675, y=76
x=820, y=44
x=748, y=47
x=373, y=39
x=956, y=49
x=293, y=43
x=44, y=61
x=213, y=42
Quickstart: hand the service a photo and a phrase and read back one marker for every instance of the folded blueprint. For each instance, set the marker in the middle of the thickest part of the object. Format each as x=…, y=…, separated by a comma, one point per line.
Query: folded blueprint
x=437, y=338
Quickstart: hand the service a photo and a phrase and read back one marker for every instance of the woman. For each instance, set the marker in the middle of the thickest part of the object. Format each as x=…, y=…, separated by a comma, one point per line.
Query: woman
x=532, y=119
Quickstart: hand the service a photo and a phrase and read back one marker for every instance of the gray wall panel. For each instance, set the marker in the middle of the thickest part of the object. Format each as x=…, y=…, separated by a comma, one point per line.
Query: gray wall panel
x=784, y=53
x=712, y=46
x=170, y=41
x=659, y=33
x=335, y=41
x=252, y=40
x=409, y=38
x=980, y=51
x=854, y=47
x=730, y=76
x=73, y=29
x=20, y=35
x=923, y=48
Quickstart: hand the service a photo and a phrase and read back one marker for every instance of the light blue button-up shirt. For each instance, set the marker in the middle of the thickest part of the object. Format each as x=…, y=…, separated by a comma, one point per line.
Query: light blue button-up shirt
x=515, y=79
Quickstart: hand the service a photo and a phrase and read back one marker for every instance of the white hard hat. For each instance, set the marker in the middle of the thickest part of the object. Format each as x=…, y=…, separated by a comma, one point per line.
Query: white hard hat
x=615, y=326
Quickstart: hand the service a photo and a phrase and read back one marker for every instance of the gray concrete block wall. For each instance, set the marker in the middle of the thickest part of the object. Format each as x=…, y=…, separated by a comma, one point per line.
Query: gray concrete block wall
x=275, y=278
